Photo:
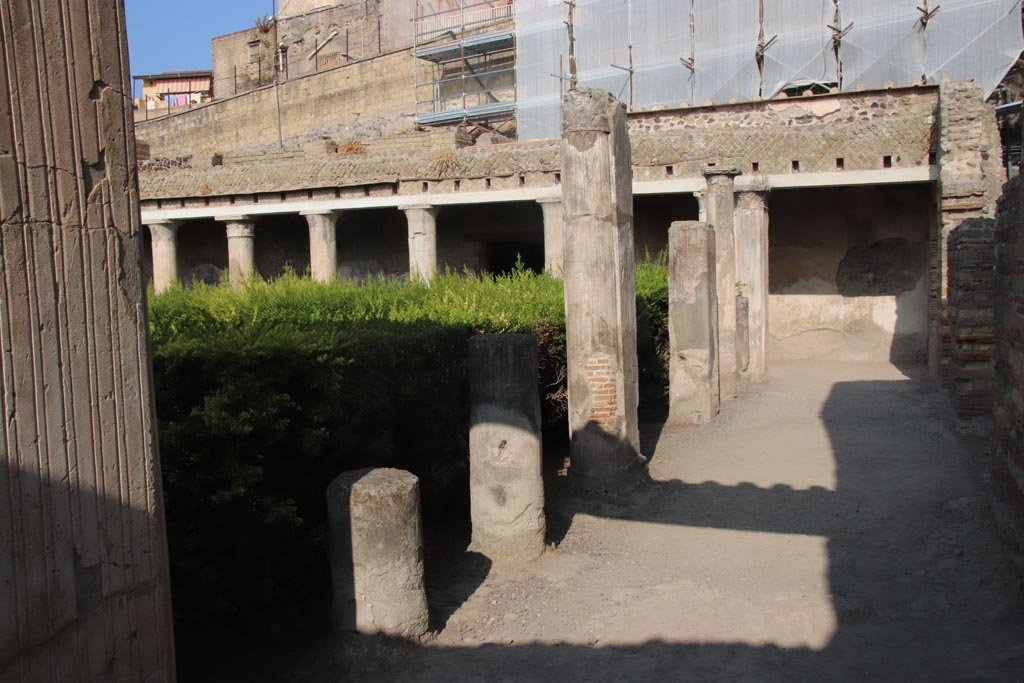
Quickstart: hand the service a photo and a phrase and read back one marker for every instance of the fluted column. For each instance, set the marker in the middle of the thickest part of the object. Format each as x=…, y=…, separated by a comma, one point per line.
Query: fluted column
x=721, y=209
x=241, y=249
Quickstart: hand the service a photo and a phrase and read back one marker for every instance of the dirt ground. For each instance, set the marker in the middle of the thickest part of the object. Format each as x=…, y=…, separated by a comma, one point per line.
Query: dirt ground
x=831, y=525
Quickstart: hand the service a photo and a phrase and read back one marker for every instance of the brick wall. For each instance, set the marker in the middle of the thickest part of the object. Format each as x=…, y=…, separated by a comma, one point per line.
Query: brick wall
x=971, y=258
x=971, y=175
x=1008, y=362
x=380, y=87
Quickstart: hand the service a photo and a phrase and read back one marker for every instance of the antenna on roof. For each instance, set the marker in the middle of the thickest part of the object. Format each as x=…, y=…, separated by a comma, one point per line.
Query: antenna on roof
x=573, y=80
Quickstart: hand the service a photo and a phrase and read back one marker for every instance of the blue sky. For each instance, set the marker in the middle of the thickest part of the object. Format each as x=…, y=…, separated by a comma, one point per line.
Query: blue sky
x=171, y=36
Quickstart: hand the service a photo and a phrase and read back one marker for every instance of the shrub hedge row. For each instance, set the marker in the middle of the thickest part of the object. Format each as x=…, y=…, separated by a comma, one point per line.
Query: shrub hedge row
x=264, y=395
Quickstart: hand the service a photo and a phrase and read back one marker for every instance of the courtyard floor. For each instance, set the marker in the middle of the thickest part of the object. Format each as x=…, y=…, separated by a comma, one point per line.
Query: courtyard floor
x=832, y=524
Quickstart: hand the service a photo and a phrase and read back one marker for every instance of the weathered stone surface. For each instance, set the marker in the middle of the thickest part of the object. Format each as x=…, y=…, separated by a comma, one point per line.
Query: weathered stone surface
x=323, y=246
x=1008, y=363
x=505, y=486
x=422, y=241
x=600, y=290
x=377, y=553
x=721, y=208
x=887, y=267
x=693, y=324
x=164, y=241
x=241, y=249
x=83, y=561
x=971, y=258
x=752, y=274
x=554, y=236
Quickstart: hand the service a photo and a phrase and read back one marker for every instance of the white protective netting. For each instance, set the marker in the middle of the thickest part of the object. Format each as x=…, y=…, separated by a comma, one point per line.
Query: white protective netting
x=887, y=43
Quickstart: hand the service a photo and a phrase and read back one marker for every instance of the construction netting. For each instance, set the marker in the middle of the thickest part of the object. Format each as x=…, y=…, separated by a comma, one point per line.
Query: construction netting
x=678, y=52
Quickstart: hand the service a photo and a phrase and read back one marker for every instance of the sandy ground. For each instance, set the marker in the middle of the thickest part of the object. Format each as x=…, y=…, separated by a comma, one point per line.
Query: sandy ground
x=831, y=525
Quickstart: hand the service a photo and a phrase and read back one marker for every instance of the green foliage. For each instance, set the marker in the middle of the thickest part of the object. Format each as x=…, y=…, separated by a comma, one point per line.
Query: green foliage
x=265, y=394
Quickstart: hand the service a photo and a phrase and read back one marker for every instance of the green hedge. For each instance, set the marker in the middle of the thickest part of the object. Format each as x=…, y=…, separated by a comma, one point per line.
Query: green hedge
x=266, y=394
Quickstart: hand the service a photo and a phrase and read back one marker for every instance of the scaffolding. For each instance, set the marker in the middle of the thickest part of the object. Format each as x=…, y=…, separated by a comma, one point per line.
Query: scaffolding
x=695, y=52
x=470, y=45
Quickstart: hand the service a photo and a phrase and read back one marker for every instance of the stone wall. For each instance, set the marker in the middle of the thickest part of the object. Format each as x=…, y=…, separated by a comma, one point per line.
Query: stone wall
x=971, y=258
x=848, y=273
x=1008, y=362
x=376, y=93
x=971, y=175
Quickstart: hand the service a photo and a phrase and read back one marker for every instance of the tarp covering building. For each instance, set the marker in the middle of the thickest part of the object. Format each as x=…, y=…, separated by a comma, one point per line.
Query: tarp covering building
x=679, y=52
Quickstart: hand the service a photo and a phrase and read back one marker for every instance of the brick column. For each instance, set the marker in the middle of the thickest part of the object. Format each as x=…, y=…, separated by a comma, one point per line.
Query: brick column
x=752, y=274
x=164, y=242
x=241, y=249
x=721, y=208
x=323, y=245
x=554, y=235
x=422, y=241
x=600, y=289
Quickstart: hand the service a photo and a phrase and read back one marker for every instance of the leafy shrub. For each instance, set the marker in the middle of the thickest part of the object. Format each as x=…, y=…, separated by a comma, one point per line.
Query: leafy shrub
x=265, y=394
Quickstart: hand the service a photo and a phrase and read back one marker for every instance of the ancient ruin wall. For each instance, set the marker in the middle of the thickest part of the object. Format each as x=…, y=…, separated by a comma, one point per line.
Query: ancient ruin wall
x=970, y=159
x=971, y=257
x=372, y=92
x=1008, y=362
x=83, y=562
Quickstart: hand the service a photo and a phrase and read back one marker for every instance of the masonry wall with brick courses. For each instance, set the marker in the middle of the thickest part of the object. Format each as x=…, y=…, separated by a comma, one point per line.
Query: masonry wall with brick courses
x=1008, y=363
x=971, y=175
x=971, y=259
x=361, y=91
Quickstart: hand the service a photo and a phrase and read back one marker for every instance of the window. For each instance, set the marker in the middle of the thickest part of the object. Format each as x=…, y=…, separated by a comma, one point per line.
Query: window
x=254, y=51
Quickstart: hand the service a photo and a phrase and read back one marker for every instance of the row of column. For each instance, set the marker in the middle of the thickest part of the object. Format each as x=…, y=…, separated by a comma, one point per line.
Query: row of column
x=323, y=245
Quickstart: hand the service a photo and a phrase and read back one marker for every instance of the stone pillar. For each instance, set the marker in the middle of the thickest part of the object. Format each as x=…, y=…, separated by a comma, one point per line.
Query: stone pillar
x=554, y=235
x=721, y=215
x=422, y=241
x=241, y=249
x=506, y=491
x=600, y=290
x=702, y=206
x=692, y=323
x=323, y=245
x=752, y=274
x=84, y=592
x=376, y=549
x=164, y=241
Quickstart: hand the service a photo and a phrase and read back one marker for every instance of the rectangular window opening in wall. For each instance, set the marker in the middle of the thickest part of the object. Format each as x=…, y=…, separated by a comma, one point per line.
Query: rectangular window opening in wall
x=755, y=167
x=487, y=183
x=795, y=165
x=887, y=161
x=558, y=178
x=522, y=181
x=425, y=187
x=670, y=171
x=458, y=184
x=366, y=191
x=337, y=193
x=933, y=158
x=254, y=51
x=840, y=164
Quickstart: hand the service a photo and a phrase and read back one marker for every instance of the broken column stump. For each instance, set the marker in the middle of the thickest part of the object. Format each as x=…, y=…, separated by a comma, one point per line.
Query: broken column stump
x=377, y=553
x=692, y=324
x=600, y=296
x=506, y=490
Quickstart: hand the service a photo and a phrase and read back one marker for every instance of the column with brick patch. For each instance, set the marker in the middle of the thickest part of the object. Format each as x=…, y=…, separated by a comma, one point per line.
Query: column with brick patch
x=600, y=297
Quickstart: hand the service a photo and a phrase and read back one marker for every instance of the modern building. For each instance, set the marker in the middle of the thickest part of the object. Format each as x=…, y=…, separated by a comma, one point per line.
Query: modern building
x=173, y=90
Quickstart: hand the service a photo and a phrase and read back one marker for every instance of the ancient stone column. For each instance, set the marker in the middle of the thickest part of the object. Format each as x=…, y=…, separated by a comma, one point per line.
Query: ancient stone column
x=752, y=274
x=84, y=592
x=600, y=298
x=702, y=206
x=506, y=491
x=554, y=235
x=422, y=241
x=241, y=249
x=692, y=323
x=377, y=553
x=323, y=245
x=721, y=215
x=164, y=241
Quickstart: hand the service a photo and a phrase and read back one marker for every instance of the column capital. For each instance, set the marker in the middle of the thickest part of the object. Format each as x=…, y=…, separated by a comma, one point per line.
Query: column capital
x=551, y=199
x=163, y=231
x=715, y=170
x=320, y=212
x=418, y=207
x=241, y=229
x=750, y=198
x=234, y=218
